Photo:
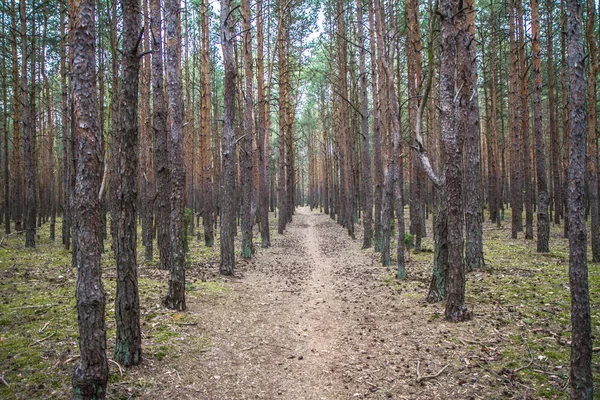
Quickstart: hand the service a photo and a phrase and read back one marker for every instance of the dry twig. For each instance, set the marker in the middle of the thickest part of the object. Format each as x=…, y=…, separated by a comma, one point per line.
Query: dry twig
x=421, y=378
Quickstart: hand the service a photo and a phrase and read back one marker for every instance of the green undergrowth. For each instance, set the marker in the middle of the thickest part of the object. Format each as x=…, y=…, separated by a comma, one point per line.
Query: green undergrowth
x=522, y=299
x=38, y=320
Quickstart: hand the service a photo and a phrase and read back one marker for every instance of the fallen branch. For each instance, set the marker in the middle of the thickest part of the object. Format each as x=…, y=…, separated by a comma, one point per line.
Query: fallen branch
x=3, y=380
x=42, y=339
x=10, y=234
x=530, y=355
x=117, y=364
x=421, y=378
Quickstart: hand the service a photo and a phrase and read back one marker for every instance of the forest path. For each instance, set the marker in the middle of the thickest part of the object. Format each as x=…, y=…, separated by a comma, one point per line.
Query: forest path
x=310, y=318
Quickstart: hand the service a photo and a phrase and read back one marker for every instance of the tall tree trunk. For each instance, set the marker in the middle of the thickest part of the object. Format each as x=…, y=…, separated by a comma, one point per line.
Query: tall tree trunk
x=364, y=128
x=246, y=159
x=565, y=116
x=452, y=120
x=552, y=122
x=378, y=165
x=227, y=196
x=473, y=210
x=146, y=170
x=17, y=197
x=205, y=134
x=495, y=200
x=159, y=126
x=516, y=202
x=524, y=114
x=128, y=345
x=281, y=178
x=91, y=372
x=543, y=222
x=175, y=299
x=6, y=183
x=582, y=384
x=66, y=147
x=414, y=84
x=28, y=130
x=592, y=131
x=263, y=201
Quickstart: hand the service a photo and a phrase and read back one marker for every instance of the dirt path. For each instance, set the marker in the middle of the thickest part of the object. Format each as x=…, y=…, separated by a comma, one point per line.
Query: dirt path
x=311, y=318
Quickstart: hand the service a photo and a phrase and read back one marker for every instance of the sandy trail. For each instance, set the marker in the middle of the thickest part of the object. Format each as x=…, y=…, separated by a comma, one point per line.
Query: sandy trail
x=311, y=318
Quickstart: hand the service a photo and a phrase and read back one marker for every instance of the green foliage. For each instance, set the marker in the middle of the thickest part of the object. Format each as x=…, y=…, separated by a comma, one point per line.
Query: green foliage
x=408, y=241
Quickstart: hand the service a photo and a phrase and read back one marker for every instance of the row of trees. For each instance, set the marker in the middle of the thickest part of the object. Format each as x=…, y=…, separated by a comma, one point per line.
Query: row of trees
x=137, y=112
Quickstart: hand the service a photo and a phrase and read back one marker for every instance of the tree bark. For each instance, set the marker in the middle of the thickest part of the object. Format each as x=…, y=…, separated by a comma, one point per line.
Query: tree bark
x=543, y=222
x=175, y=298
x=227, y=208
x=582, y=385
x=159, y=125
x=91, y=372
x=592, y=131
x=516, y=202
x=128, y=345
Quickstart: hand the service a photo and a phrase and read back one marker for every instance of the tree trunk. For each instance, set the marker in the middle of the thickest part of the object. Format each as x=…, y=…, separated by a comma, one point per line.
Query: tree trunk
x=247, y=151
x=205, y=134
x=159, y=126
x=473, y=210
x=175, y=299
x=227, y=208
x=91, y=372
x=524, y=113
x=552, y=123
x=516, y=202
x=28, y=130
x=582, y=384
x=128, y=345
x=592, y=131
x=364, y=128
x=452, y=121
x=543, y=223
x=17, y=198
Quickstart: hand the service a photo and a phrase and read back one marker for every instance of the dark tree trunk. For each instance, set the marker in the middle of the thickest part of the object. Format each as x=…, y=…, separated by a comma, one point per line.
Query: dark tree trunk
x=473, y=210
x=543, y=222
x=552, y=123
x=17, y=197
x=247, y=151
x=159, y=125
x=282, y=201
x=128, y=345
x=175, y=299
x=378, y=164
x=582, y=384
x=228, y=194
x=91, y=372
x=263, y=201
x=364, y=127
x=565, y=117
x=28, y=129
x=524, y=113
x=495, y=199
x=453, y=120
x=6, y=183
x=516, y=201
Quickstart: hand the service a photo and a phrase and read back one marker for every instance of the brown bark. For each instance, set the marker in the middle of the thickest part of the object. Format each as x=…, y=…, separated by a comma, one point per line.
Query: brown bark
x=128, y=345
x=495, y=197
x=543, y=222
x=282, y=200
x=565, y=116
x=66, y=148
x=592, y=132
x=159, y=126
x=364, y=129
x=582, y=386
x=27, y=99
x=17, y=197
x=227, y=203
x=552, y=120
x=91, y=372
x=146, y=170
x=451, y=19
x=516, y=202
x=246, y=166
x=6, y=183
x=524, y=114
x=473, y=210
x=175, y=298
x=205, y=133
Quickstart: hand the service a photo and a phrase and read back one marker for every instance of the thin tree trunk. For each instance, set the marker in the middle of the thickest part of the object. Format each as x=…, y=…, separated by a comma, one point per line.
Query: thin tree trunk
x=543, y=223
x=516, y=202
x=552, y=123
x=246, y=166
x=159, y=126
x=228, y=193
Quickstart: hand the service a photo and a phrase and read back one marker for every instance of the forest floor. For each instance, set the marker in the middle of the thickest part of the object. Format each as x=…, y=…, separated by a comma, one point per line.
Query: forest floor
x=312, y=317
